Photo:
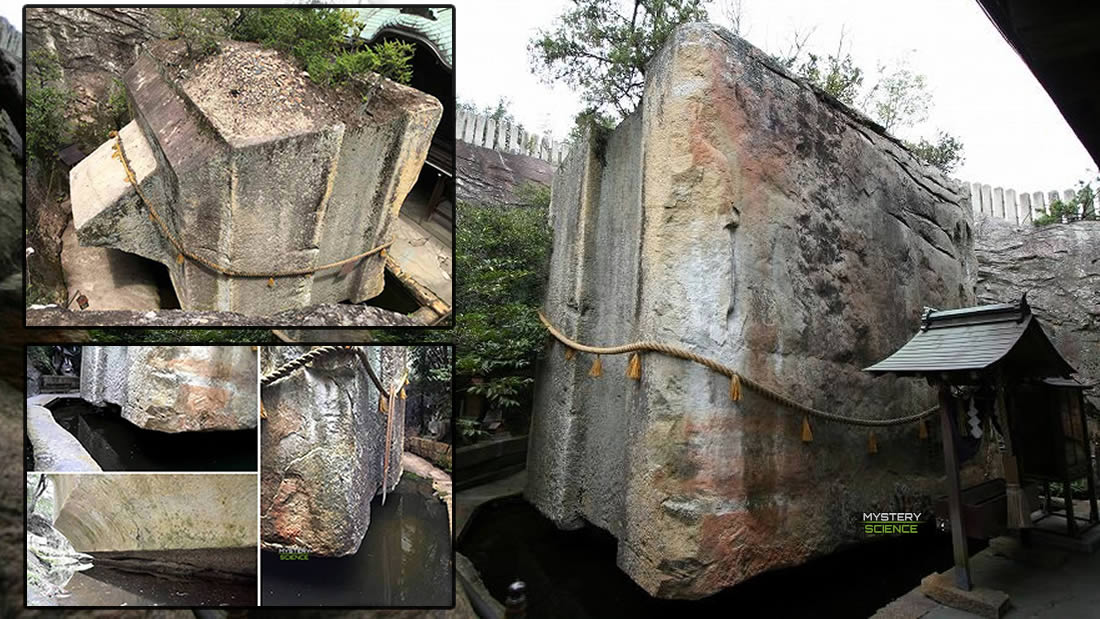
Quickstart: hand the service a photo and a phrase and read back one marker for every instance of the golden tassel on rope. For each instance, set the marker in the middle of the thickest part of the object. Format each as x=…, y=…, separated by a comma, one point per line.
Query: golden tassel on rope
x=922, y=430
x=735, y=387
x=381, y=404
x=634, y=367
x=271, y=282
x=403, y=393
x=569, y=353
x=597, y=368
x=872, y=445
x=807, y=435
x=179, y=258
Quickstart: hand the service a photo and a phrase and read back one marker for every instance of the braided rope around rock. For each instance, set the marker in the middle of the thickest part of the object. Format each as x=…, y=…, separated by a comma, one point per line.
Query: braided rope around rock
x=687, y=355
x=120, y=154
x=304, y=359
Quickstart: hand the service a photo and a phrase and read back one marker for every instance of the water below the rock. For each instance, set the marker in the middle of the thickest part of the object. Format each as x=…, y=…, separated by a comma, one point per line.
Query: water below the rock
x=573, y=573
x=216, y=577
x=118, y=445
x=405, y=560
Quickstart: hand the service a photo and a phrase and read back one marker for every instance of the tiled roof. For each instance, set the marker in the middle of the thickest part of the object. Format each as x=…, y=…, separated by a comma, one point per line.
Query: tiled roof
x=436, y=32
x=974, y=338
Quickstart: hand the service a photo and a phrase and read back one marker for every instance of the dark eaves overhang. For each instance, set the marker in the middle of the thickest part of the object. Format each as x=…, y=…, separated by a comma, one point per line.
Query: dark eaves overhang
x=1059, y=41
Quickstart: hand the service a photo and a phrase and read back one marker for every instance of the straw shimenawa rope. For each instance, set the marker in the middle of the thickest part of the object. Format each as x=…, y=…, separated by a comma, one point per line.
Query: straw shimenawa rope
x=182, y=252
x=736, y=378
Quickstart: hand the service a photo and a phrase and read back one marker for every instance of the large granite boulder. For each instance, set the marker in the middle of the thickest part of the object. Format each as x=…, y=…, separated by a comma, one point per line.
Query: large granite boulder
x=1058, y=266
x=254, y=168
x=323, y=448
x=751, y=218
x=155, y=512
x=174, y=388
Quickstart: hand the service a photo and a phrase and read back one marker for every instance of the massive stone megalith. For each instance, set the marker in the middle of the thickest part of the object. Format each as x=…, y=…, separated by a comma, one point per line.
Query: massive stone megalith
x=155, y=512
x=323, y=448
x=255, y=169
x=751, y=218
x=174, y=388
x=1058, y=266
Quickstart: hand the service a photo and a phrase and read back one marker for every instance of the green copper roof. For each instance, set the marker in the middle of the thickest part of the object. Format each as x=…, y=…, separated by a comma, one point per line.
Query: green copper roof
x=436, y=33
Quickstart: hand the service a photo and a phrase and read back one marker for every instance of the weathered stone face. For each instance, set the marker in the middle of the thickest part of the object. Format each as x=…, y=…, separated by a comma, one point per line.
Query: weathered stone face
x=174, y=388
x=1058, y=266
x=97, y=512
x=257, y=181
x=323, y=448
x=747, y=217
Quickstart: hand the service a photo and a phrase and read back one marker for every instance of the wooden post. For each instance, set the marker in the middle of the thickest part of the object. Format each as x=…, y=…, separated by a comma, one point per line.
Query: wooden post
x=1094, y=513
x=954, y=492
x=1067, y=494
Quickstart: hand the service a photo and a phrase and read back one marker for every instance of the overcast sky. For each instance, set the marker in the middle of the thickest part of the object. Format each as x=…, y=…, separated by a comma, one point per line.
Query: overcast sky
x=982, y=92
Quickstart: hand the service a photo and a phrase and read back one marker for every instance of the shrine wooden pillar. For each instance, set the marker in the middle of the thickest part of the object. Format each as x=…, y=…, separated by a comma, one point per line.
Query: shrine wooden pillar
x=948, y=410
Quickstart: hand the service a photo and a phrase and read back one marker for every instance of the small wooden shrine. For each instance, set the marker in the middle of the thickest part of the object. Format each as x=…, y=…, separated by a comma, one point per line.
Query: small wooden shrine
x=996, y=369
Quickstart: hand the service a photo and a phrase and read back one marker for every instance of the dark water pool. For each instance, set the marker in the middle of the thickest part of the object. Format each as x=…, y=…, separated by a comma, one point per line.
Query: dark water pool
x=206, y=577
x=573, y=573
x=118, y=445
x=405, y=560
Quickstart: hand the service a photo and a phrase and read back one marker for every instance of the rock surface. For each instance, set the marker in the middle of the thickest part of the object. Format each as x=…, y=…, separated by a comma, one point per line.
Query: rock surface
x=94, y=46
x=322, y=448
x=97, y=512
x=110, y=279
x=174, y=388
x=268, y=181
x=487, y=176
x=316, y=316
x=753, y=219
x=55, y=450
x=1058, y=266
x=11, y=165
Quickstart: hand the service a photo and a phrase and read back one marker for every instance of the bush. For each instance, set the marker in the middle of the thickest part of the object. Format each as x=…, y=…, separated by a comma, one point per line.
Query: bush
x=199, y=29
x=47, y=99
x=1081, y=207
x=317, y=39
x=502, y=253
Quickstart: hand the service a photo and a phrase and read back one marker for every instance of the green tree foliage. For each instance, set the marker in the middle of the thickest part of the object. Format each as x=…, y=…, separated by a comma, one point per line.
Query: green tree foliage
x=47, y=100
x=502, y=253
x=897, y=98
x=317, y=38
x=946, y=153
x=200, y=29
x=601, y=47
x=1081, y=207
x=836, y=74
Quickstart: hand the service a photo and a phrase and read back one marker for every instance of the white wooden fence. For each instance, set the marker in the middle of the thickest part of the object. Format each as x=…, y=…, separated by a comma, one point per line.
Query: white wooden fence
x=1017, y=207
x=506, y=137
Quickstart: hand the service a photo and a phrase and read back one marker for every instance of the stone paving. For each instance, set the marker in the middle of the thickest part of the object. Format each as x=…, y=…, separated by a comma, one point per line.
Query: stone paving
x=1064, y=584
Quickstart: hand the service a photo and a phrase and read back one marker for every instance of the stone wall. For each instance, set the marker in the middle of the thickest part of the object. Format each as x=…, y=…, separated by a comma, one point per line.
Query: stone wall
x=436, y=452
x=174, y=388
x=507, y=137
x=284, y=176
x=323, y=448
x=748, y=217
x=1019, y=207
x=155, y=512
